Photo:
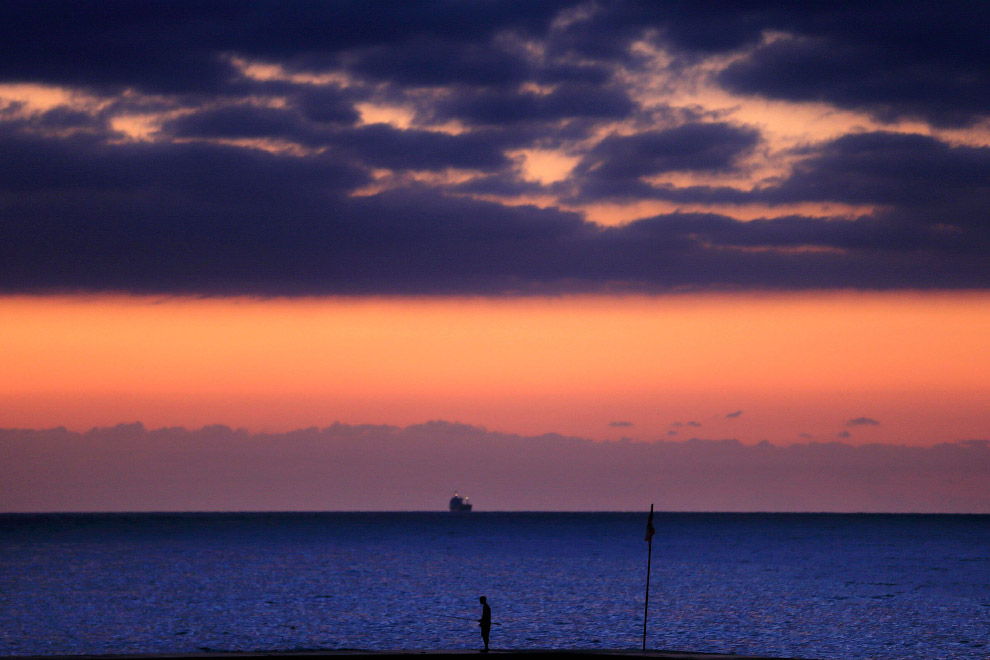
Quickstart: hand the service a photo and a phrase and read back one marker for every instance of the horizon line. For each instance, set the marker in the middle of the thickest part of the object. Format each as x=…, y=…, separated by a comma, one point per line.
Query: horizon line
x=499, y=511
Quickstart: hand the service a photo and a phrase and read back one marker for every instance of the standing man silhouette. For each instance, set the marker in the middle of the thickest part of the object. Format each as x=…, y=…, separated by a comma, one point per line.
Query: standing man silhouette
x=485, y=621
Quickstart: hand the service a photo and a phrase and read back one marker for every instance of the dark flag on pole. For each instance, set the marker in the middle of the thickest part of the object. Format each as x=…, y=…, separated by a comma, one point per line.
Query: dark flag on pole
x=649, y=556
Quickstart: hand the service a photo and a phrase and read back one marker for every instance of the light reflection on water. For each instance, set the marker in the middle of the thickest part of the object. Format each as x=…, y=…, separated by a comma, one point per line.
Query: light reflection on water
x=822, y=586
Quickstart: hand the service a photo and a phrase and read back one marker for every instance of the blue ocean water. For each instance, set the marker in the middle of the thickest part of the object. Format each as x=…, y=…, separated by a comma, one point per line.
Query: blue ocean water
x=815, y=586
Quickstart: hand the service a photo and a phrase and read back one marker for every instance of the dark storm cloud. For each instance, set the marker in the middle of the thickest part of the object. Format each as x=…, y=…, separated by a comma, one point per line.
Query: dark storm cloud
x=323, y=105
x=931, y=198
x=208, y=218
x=508, y=107
x=620, y=424
x=246, y=121
x=382, y=145
x=376, y=145
x=81, y=214
x=193, y=173
x=59, y=120
x=864, y=233
x=689, y=147
x=131, y=467
x=61, y=117
x=179, y=47
x=908, y=61
x=83, y=209
x=607, y=30
x=581, y=76
x=428, y=62
x=914, y=60
x=862, y=421
x=499, y=184
x=613, y=168
x=904, y=170
x=111, y=45
x=931, y=204
x=308, y=119
x=733, y=415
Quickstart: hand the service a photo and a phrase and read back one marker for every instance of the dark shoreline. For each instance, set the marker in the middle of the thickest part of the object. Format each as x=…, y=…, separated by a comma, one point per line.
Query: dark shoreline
x=447, y=654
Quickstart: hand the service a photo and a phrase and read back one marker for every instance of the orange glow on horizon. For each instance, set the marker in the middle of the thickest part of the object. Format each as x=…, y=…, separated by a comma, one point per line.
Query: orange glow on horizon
x=794, y=364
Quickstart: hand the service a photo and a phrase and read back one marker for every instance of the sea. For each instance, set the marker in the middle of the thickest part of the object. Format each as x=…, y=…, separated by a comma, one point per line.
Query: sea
x=851, y=587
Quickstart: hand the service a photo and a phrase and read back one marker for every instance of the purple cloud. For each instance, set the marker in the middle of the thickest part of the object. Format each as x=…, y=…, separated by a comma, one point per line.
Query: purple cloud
x=862, y=421
x=129, y=467
x=199, y=208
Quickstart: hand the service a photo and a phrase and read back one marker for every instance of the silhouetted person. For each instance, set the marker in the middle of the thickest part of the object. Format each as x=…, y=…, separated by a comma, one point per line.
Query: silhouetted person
x=485, y=622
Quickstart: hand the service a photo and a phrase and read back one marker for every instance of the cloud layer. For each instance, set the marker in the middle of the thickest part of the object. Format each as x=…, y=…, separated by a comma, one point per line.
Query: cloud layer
x=249, y=148
x=343, y=467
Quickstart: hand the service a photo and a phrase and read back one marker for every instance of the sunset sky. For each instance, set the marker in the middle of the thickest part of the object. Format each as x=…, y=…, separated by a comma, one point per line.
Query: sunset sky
x=606, y=220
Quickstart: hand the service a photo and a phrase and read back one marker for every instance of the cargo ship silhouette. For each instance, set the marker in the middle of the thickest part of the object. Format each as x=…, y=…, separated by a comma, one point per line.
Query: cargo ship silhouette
x=459, y=504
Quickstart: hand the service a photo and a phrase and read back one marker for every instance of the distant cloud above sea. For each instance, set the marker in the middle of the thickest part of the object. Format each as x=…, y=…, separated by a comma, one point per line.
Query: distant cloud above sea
x=368, y=467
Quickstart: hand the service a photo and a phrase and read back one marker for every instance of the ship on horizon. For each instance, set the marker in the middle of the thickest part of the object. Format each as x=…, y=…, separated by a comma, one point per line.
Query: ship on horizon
x=459, y=504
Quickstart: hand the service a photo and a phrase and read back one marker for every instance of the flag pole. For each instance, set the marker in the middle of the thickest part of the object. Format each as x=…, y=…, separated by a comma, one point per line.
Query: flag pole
x=649, y=558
